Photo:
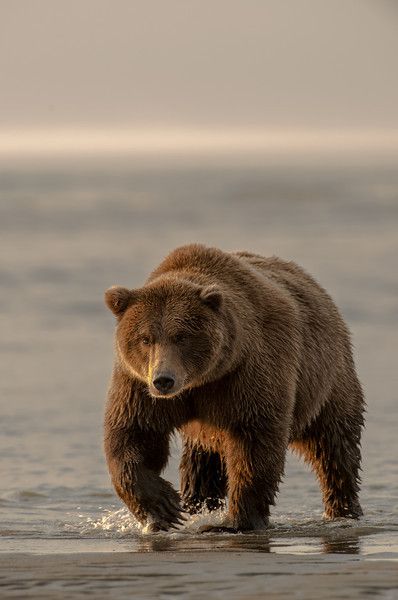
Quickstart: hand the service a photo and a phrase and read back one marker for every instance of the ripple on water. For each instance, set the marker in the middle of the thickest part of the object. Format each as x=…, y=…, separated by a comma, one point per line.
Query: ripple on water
x=121, y=522
x=287, y=535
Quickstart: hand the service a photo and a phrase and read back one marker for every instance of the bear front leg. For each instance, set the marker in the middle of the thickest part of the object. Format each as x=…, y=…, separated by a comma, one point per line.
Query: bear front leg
x=136, y=456
x=254, y=468
x=136, y=477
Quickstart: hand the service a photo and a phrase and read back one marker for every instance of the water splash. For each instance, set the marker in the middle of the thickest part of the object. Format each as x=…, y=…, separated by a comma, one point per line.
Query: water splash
x=121, y=523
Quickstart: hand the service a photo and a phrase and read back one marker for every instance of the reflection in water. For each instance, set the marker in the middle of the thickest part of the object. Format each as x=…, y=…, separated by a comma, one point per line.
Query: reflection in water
x=348, y=543
x=222, y=542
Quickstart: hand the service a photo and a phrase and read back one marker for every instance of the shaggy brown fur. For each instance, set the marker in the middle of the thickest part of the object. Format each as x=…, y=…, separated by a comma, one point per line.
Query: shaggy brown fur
x=244, y=355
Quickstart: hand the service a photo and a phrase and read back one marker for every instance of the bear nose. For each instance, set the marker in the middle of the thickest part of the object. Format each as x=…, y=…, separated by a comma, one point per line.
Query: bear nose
x=163, y=383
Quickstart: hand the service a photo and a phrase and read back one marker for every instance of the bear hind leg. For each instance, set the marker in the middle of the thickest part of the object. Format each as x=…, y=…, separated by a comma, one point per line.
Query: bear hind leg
x=331, y=445
x=203, y=479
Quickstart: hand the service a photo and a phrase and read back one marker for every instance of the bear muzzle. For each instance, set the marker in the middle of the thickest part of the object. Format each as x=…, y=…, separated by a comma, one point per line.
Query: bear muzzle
x=165, y=383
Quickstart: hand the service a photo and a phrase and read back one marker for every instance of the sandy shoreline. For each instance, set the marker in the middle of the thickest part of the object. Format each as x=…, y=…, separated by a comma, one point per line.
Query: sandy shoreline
x=195, y=575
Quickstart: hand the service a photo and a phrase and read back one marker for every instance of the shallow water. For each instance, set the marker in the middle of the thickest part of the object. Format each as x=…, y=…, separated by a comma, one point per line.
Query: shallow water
x=68, y=233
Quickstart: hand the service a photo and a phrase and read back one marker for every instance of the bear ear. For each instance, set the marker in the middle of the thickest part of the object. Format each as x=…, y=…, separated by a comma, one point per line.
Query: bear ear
x=211, y=296
x=118, y=299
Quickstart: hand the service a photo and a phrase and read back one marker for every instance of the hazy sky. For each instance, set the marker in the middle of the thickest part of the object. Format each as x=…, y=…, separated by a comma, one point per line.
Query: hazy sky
x=179, y=63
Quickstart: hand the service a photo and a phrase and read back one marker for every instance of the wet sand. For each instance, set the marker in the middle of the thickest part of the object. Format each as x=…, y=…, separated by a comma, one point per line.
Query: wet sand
x=195, y=575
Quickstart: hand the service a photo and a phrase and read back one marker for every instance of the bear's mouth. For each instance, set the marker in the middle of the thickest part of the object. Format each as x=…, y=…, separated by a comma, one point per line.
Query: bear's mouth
x=163, y=394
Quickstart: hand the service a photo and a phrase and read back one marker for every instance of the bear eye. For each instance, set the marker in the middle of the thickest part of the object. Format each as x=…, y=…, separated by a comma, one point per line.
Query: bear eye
x=179, y=338
x=145, y=340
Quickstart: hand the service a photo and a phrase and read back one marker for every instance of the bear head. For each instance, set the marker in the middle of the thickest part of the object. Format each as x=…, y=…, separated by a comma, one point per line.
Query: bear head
x=170, y=333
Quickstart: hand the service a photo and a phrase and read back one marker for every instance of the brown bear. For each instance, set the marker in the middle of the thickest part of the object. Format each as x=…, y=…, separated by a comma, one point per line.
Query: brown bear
x=244, y=356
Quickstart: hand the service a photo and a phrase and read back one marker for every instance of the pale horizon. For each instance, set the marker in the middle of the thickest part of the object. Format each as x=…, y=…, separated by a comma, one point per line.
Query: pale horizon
x=211, y=141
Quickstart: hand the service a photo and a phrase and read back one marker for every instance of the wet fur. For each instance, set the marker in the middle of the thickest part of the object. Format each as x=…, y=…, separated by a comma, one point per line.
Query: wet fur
x=284, y=376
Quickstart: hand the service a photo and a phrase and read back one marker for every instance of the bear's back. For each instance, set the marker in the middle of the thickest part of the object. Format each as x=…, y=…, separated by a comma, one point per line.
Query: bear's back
x=251, y=275
x=310, y=297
